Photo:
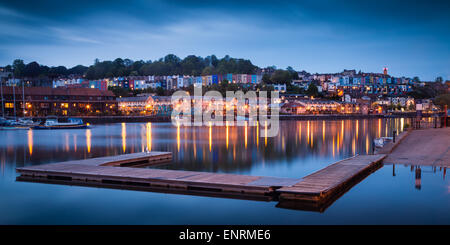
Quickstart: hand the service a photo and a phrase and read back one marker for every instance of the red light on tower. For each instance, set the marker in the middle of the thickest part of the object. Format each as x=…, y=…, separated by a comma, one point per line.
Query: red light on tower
x=385, y=71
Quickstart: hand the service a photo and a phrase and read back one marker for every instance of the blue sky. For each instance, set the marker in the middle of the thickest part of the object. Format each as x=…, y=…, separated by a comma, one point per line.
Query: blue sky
x=411, y=38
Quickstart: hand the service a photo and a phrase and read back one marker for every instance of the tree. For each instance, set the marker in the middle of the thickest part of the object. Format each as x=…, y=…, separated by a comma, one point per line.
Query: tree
x=159, y=91
x=443, y=99
x=208, y=71
x=19, y=68
x=192, y=65
x=281, y=76
x=266, y=79
x=224, y=83
x=312, y=90
x=416, y=80
x=119, y=91
x=32, y=69
x=169, y=65
x=77, y=70
x=439, y=79
x=54, y=72
x=425, y=92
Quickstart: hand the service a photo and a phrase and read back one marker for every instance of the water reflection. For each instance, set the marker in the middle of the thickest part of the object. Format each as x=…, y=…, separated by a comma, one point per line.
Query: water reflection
x=66, y=136
x=419, y=171
x=301, y=146
x=88, y=140
x=30, y=141
x=227, y=135
x=124, y=137
x=149, y=136
x=178, y=136
x=75, y=143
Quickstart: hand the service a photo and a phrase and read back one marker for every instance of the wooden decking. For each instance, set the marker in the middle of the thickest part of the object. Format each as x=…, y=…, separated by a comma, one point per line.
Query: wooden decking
x=324, y=184
x=134, y=159
x=103, y=172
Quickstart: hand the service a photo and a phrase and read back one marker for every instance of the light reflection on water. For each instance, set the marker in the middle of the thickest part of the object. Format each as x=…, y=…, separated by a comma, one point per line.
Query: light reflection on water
x=395, y=194
x=300, y=147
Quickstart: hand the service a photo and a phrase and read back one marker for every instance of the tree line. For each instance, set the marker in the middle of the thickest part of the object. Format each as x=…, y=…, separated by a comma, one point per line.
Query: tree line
x=34, y=70
x=169, y=65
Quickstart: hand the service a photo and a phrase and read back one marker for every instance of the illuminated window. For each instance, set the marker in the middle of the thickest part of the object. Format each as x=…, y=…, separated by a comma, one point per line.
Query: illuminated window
x=9, y=105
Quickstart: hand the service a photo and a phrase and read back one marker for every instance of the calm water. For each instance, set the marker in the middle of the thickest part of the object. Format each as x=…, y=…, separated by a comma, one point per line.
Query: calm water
x=389, y=196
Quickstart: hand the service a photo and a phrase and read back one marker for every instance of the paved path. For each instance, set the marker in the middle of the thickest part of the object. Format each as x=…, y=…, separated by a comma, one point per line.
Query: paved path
x=428, y=147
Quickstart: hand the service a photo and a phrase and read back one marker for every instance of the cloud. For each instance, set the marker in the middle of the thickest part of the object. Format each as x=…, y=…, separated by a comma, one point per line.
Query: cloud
x=318, y=35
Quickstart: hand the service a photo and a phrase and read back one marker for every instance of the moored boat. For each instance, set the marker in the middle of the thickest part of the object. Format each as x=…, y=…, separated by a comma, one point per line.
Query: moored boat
x=53, y=123
x=13, y=124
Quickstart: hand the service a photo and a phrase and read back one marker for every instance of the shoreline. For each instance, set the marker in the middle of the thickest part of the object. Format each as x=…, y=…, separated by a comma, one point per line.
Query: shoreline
x=120, y=119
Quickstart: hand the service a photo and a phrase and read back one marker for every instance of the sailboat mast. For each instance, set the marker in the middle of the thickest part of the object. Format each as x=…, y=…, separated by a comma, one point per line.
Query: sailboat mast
x=1, y=91
x=14, y=99
x=23, y=97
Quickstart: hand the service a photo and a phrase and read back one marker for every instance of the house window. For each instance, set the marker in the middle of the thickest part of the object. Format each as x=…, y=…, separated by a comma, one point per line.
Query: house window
x=9, y=105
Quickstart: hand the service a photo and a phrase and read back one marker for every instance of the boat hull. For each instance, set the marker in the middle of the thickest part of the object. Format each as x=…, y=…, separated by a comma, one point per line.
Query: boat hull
x=83, y=126
x=14, y=127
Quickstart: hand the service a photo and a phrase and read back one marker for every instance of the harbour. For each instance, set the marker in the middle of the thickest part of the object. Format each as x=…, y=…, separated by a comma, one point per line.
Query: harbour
x=134, y=171
x=316, y=188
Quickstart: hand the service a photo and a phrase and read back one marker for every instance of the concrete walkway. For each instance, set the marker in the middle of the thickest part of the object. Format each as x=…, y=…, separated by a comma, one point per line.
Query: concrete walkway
x=427, y=147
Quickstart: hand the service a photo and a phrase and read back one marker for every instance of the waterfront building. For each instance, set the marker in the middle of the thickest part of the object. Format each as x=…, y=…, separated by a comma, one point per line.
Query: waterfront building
x=180, y=82
x=280, y=87
x=4, y=75
x=13, y=82
x=141, y=84
x=229, y=77
x=205, y=80
x=234, y=78
x=43, y=101
x=135, y=104
x=215, y=79
x=154, y=84
x=198, y=82
x=169, y=83
x=145, y=104
x=308, y=106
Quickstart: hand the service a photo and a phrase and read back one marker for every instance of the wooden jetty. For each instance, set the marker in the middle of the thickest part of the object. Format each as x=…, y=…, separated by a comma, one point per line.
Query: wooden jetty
x=331, y=181
x=103, y=171
x=118, y=172
x=130, y=160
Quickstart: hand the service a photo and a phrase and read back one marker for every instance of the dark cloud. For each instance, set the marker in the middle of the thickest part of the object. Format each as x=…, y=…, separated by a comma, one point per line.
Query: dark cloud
x=299, y=30
x=354, y=11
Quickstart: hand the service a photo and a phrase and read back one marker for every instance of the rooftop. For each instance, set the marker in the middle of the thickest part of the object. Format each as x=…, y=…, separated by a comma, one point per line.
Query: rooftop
x=48, y=91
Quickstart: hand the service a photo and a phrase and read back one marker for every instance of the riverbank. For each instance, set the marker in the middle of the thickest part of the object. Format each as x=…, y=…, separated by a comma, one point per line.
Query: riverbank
x=120, y=119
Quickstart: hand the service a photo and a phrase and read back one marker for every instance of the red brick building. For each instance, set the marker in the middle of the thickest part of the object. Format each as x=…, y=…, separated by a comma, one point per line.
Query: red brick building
x=43, y=101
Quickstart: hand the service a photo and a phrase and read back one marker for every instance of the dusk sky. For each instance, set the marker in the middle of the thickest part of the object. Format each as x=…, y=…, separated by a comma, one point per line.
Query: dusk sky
x=411, y=38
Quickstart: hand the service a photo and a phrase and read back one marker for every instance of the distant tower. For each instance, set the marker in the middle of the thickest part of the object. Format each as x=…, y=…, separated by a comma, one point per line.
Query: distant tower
x=385, y=71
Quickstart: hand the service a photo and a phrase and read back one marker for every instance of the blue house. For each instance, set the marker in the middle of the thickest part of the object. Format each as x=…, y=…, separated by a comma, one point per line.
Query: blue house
x=229, y=77
x=199, y=81
x=215, y=79
x=254, y=79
